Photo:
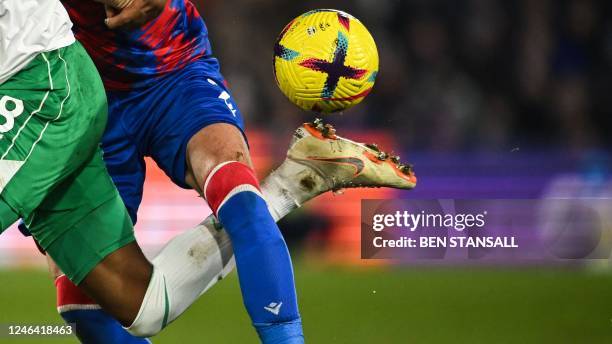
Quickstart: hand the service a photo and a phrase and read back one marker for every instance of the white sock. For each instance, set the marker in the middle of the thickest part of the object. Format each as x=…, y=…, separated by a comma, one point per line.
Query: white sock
x=154, y=310
x=187, y=266
x=279, y=199
x=290, y=186
x=192, y=262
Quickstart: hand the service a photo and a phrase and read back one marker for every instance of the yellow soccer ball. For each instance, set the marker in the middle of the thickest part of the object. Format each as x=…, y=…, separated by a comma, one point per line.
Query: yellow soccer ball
x=325, y=61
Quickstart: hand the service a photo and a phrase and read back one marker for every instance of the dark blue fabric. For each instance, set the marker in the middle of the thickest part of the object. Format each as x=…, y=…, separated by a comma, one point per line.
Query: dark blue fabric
x=159, y=121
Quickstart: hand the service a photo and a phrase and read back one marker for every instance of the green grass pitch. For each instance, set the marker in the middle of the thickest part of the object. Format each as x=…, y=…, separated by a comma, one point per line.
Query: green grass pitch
x=380, y=305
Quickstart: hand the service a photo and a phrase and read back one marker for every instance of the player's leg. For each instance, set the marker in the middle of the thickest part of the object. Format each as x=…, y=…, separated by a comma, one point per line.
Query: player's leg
x=219, y=162
x=124, y=162
x=99, y=254
x=126, y=166
x=93, y=325
x=189, y=264
x=199, y=143
x=143, y=296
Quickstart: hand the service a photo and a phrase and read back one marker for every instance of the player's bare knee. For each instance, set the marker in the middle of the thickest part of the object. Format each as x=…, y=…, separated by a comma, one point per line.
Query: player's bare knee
x=233, y=153
x=212, y=146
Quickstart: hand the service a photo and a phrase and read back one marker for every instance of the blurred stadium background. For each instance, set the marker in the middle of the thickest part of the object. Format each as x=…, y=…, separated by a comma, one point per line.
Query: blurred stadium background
x=488, y=98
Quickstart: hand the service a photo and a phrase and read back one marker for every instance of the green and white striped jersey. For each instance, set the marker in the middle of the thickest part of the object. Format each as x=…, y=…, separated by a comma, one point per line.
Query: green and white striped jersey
x=29, y=27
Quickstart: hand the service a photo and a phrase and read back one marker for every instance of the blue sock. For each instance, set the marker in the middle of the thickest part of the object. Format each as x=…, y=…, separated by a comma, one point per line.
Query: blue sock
x=94, y=326
x=287, y=332
x=262, y=258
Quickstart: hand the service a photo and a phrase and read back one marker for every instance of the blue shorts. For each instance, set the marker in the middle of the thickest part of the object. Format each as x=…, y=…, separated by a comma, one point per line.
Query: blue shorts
x=159, y=121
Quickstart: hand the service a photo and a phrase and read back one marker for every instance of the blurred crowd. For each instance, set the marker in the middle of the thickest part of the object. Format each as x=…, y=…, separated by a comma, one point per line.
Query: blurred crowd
x=454, y=75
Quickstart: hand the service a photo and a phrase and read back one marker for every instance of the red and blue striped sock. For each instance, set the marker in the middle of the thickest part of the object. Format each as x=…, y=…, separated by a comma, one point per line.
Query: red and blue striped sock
x=92, y=324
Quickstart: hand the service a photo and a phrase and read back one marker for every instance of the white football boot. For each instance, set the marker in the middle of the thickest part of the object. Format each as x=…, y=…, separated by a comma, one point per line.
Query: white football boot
x=318, y=161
